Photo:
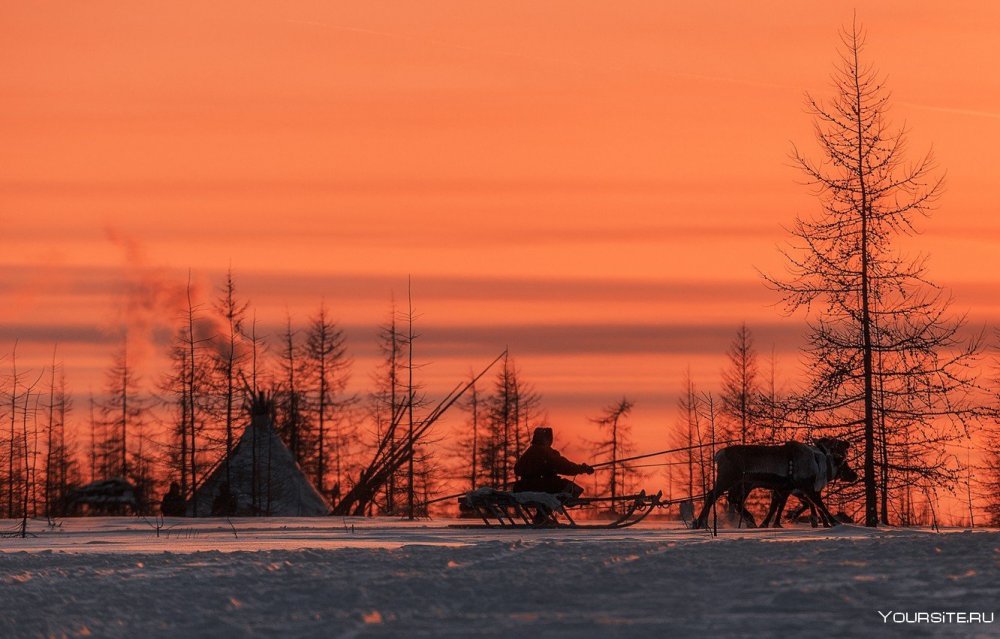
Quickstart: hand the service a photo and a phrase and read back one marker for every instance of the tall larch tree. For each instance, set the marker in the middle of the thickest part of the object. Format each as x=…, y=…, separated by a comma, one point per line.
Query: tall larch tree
x=883, y=353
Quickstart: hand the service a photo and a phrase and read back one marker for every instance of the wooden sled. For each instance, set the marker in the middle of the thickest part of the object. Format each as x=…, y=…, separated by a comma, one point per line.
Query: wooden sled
x=508, y=510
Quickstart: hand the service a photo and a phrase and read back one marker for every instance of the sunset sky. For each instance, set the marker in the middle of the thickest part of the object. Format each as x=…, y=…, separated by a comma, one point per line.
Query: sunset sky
x=593, y=184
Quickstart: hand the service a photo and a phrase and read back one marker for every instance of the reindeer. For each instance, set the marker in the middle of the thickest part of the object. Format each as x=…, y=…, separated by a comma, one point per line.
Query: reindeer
x=784, y=469
x=832, y=450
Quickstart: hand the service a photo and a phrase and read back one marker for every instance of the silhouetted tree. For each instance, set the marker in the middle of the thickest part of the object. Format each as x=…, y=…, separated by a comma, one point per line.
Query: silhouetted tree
x=507, y=432
x=413, y=400
x=186, y=391
x=196, y=386
x=29, y=412
x=388, y=401
x=989, y=485
x=229, y=357
x=466, y=448
x=695, y=463
x=122, y=411
x=740, y=389
x=326, y=370
x=772, y=406
x=617, y=444
x=16, y=445
x=172, y=393
x=95, y=427
x=292, y=418
x=883, y=355
x=988, y=467
x=60, y=467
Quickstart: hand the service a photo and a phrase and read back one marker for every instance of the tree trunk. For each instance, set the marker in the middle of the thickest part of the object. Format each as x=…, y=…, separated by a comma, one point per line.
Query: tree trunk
x=871, y=487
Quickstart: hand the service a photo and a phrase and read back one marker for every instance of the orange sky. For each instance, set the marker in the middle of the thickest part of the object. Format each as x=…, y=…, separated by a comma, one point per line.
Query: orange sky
x=615, y=172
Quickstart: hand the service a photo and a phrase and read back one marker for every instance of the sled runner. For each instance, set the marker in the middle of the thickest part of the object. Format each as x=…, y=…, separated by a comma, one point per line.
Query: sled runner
x=503, y=509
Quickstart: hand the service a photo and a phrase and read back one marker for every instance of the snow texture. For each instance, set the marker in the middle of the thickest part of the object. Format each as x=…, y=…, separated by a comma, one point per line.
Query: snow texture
x=333, y=577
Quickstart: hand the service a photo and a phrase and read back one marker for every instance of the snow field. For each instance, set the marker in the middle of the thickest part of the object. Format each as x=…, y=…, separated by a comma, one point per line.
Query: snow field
x=308, y=579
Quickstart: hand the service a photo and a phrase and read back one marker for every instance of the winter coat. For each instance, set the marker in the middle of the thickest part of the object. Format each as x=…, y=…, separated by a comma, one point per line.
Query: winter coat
x=540, y=462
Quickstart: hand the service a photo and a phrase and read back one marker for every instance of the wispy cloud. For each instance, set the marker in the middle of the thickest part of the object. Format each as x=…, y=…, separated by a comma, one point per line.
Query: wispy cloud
x=589, y=66
x=465, y=341
x=993, y=115
x=438, y=43
x=96, y=281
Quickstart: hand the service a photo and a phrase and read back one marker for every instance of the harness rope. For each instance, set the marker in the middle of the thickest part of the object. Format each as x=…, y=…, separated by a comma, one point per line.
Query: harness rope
x=660, y=452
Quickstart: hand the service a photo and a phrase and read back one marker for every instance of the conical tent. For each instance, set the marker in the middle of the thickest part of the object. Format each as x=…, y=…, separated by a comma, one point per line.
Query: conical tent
x=262, y=476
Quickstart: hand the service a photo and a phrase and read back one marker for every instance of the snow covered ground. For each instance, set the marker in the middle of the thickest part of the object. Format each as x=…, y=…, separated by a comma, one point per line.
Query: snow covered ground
x=334, y=577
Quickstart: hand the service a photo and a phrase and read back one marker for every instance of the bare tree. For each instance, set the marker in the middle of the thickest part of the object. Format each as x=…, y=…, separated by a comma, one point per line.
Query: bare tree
x=95, y=426
x=22, y=445
x=617, y=444
x=186, y=389
x=229, y=358
x=13, y=442
x=988, y=468
x=196, y=385
x=772, y=405
x=292, y=419
x=693, y=471
x=989, y=482
x=740, y=388
x=27, y=478
x=63, y=469
x=122, y=411
x=498, y=446
x=882, y=348
x=387, y=401
x=527, y=411
x=467, y=444
x=326, y=368
x=508, y=410
x=55, y=440
x=173, y=390
x=412, y=400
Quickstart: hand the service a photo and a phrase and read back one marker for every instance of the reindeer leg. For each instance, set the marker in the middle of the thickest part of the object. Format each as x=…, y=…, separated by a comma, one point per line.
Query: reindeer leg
x=813, y=518
x=710, y=498
x=739, y=503
x=779, y=507
x=806, y=498
x=828, y=519
x=801, y=508
x=804, y=504
x=771, y=509
x=734, y=496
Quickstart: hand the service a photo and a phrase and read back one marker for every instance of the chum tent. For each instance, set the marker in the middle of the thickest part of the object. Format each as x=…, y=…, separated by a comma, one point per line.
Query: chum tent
x=263, y=476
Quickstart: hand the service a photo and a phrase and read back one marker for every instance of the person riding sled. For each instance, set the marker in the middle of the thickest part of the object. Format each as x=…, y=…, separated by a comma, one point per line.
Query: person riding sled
x=540, y=466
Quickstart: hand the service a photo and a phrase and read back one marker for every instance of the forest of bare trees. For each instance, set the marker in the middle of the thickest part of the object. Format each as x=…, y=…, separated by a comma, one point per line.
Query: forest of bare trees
x=377, y=454
x=614, y=445
x=888, y=367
